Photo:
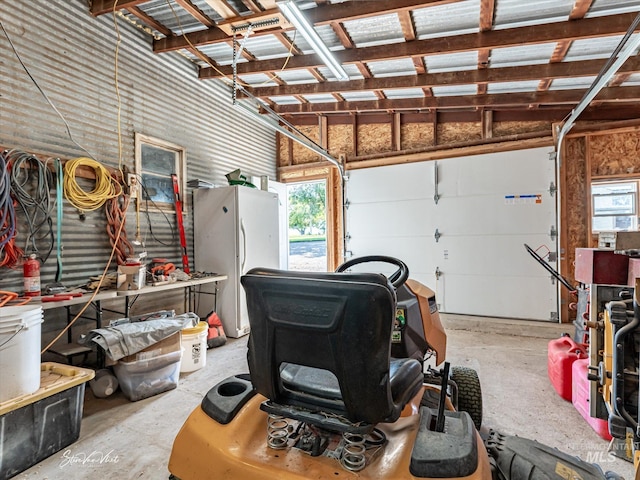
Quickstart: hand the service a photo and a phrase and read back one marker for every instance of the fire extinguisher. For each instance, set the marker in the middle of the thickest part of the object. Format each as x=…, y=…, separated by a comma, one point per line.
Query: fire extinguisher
x=31, y=274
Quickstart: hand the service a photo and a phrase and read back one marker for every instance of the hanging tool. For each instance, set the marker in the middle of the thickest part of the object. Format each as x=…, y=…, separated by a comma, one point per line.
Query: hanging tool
x=183, y=239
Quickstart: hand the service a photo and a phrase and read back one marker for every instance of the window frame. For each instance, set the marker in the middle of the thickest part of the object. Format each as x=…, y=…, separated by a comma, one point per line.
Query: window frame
x=634, y=213
x=180, y=168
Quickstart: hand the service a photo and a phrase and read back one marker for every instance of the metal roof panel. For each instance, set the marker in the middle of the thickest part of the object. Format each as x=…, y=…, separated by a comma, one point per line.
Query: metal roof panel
x=454, y=90
x=359, y=96
x=175, y=18
x=377, y=30
x=299, y=75
x=600, y=8
x=258, y=79
x=392, y=68
x=404, y=93
x=264, y=47
x=572, y=83
x=517, y=13
x=285, y=100
x=453, y=62
x=446, y=20
x=320, y=98
x=513, y=87
x=593, y=48
x=521, y=55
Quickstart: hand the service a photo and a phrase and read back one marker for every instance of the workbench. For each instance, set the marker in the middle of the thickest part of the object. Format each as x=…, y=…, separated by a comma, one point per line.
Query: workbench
x=70, y=350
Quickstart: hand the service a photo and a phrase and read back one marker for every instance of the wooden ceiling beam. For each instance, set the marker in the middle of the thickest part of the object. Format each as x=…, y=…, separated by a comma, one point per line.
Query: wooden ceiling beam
x=252, y=5
x=284, y=40
x=152, y=22
x=100, y=7
x=530, y=35
x=611, y=95
x=418, y=63
x=408, y=28
x=273, y=76
x=343, y=35
x=223, y=9
x=195, y=12
x=619, y=79
x=317, y=75
x=548, y=71
x=321, y=15
x=487, y=12
x=580, y=9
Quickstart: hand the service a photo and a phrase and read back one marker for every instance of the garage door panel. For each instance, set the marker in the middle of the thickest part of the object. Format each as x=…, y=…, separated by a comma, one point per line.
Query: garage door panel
x=509, y=298
x=503, y=172
x=410, y=250
x=397, y=182
x=472, y=256
x=392, y=217
x=487, y=215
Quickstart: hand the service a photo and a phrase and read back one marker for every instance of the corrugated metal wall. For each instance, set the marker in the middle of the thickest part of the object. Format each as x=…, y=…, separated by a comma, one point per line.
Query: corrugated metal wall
x=71, y=55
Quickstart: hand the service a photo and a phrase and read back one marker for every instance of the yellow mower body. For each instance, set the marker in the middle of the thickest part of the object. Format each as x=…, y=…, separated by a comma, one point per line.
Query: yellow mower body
x=206, y=450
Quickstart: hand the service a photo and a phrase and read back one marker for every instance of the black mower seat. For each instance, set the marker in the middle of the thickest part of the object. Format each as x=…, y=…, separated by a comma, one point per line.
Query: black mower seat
x=320, y=343
x=402, y=373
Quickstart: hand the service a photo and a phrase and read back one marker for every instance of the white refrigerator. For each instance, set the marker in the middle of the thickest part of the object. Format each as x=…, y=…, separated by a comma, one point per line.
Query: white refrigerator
x=235, y=229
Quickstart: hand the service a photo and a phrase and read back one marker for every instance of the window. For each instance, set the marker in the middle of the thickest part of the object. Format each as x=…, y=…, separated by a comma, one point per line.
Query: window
x=614, y=206
x=156, y=161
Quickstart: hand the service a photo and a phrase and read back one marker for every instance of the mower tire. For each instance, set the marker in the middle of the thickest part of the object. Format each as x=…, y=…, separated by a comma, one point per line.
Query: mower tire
x=469, y=393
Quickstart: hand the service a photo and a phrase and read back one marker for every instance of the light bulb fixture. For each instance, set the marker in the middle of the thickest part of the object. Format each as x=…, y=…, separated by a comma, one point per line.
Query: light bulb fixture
x=297, y=18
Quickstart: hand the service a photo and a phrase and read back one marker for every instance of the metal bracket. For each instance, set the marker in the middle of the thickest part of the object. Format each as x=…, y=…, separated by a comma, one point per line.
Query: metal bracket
x=437, y=235
x=553, y=233
x=552, y=189
x=438, y=273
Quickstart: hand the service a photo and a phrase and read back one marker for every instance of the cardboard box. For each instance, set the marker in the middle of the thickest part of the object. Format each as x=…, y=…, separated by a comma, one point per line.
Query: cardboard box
x=131, y=277
x=627, y=241
x=173, y=343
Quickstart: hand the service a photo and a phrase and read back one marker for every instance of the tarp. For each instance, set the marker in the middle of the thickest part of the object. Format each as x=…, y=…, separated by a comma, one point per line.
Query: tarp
x=129, y=338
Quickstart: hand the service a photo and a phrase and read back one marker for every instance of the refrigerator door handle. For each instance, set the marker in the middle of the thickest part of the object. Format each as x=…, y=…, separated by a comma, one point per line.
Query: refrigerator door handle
x=244, y=246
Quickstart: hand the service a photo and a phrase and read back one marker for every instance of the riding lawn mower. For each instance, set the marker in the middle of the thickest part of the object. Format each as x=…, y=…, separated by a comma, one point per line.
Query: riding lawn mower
x=340, y=385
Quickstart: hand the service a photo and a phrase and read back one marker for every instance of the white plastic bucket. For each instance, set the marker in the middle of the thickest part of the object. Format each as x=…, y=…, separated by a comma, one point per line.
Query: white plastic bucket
x=194, y=345
x=19, y=351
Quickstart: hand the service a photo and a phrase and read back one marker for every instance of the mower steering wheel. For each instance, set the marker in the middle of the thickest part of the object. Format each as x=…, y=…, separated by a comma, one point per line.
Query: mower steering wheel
x=397, y=278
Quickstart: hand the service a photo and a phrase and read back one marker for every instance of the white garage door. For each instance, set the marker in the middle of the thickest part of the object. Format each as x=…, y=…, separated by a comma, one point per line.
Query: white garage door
x=489, y=206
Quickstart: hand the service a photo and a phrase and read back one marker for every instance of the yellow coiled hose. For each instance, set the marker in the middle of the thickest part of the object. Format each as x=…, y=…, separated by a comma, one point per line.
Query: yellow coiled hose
x=106, y=186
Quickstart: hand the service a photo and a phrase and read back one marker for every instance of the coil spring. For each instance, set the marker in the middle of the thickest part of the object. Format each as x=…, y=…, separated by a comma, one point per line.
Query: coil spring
x=353, y=457
x=277, y=432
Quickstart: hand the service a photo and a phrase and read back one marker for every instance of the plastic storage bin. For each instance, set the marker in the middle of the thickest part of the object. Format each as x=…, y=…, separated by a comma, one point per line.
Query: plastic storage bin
x=35, y=426
x=580, y=398
x=154, y=370
x=562, y=352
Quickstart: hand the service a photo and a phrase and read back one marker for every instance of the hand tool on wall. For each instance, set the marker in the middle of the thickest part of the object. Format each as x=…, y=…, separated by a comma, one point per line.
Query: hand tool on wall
x=183, y=239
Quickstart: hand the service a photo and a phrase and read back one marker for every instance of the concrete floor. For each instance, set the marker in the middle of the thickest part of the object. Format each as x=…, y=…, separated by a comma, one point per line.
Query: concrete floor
x=134, y=439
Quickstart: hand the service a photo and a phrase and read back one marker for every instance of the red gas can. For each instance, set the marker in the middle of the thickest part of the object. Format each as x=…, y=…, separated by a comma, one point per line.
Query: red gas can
x=562, y=352
x=580, y=398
